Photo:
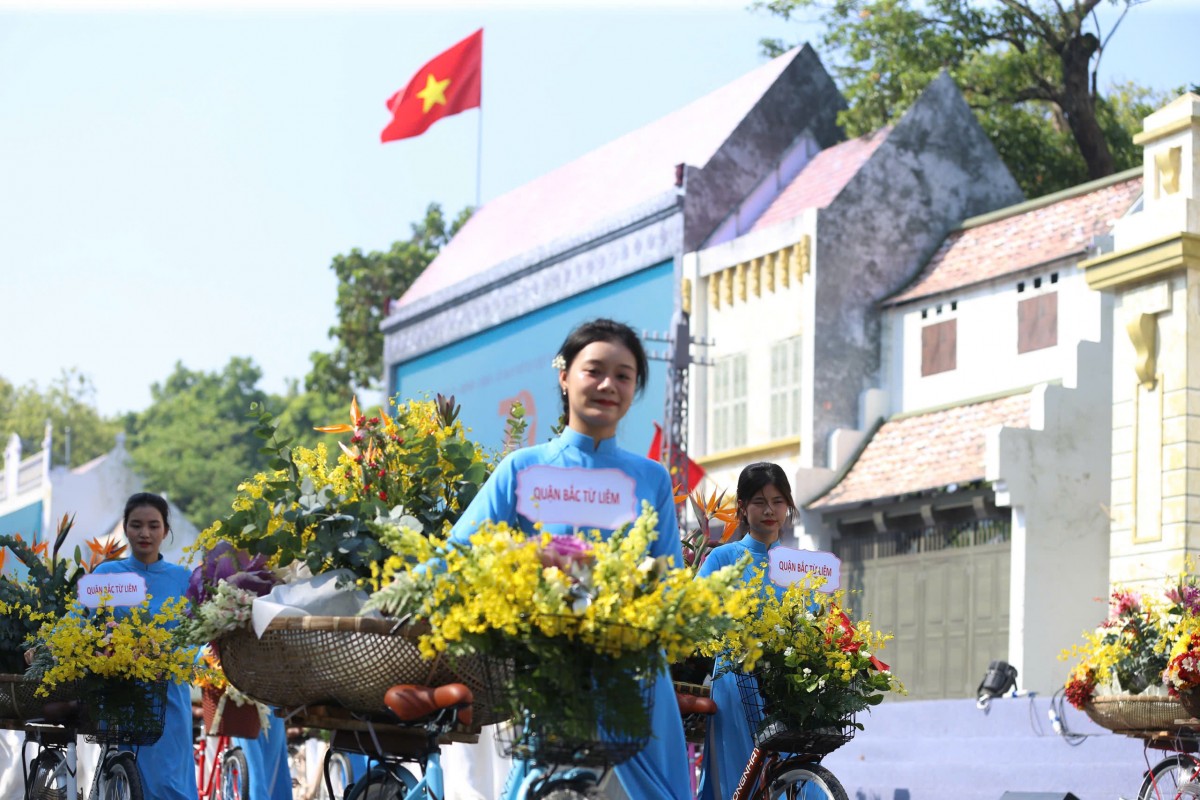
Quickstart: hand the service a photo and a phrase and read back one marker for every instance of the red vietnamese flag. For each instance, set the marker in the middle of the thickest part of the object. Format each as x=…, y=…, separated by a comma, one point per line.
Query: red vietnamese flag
x=696, y=472
x=448, y=84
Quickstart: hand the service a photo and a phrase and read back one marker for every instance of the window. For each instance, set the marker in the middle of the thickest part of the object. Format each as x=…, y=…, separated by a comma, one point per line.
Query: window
x=729, y=403
x=1037, y=322
x=939, y=347
x=785, y=388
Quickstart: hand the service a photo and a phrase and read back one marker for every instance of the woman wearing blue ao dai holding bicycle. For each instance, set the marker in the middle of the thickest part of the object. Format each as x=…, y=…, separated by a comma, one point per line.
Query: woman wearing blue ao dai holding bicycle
x=166, y=767
x=602, y=365
x=764, y=506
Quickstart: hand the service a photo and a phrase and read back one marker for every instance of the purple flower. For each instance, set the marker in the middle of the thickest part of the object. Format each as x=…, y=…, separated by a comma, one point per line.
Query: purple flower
x=563, y=551
x=226, y=563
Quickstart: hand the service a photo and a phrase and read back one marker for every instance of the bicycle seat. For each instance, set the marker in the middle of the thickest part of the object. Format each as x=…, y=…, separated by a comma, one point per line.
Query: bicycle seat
x=412, y=703
x=691, y=704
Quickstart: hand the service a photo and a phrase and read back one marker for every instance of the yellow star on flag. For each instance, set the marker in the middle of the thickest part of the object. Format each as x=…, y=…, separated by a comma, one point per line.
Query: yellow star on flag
x=433, y=93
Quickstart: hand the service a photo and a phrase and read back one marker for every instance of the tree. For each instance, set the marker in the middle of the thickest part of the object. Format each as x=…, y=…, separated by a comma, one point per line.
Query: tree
x=195, y=441
x=1027, y=68
x=366, y=283
x=69, y=404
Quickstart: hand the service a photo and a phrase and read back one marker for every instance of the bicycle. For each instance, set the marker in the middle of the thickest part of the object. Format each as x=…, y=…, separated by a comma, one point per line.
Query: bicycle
x=52, y=774
x=1176, y=776
x=228, y=776
x=786, y=763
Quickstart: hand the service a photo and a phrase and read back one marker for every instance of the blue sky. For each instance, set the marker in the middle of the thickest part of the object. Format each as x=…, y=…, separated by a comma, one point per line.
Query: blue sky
x=174, y=183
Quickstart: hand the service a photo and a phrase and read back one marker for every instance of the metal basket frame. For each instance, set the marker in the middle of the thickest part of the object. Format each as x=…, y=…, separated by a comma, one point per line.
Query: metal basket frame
x=587, y=732
x=777, y=734
x=123, y=712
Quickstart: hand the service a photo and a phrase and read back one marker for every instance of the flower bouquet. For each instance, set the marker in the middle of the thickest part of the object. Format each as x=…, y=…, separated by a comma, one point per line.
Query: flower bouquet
x=45, y=587
x=805, y=668
x=37, y=587
x=307, y=521
x=579, y=628
x=691, y=672
x=1118, y=679
x=119, y=660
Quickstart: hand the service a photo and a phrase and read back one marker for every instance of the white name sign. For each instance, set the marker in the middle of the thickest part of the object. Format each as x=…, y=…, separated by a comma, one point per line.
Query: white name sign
x=584, y=498
x=122, y=589
x=788, y=566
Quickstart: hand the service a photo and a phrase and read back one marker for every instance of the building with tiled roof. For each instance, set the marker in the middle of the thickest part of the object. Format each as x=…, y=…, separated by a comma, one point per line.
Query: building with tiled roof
x=789, y=284
x=970, y=467
x=600, y=236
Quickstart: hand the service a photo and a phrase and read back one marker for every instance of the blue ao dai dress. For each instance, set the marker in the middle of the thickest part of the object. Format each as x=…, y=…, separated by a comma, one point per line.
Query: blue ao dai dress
x=660, y=771
x=166, y=767
x=729, y=740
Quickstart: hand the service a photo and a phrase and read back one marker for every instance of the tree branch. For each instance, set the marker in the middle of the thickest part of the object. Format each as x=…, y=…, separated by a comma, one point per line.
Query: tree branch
x=1048, y=32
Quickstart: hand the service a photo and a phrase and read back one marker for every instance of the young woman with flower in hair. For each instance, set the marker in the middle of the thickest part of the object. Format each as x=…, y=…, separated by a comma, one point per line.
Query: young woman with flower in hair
x=601, y=367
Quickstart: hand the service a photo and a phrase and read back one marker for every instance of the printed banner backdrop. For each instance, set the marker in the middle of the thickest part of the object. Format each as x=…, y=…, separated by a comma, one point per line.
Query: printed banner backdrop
x=488, y=371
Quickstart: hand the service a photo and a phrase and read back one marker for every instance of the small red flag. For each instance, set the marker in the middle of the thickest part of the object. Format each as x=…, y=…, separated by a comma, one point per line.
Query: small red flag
x=448, y=84
x=695, y=471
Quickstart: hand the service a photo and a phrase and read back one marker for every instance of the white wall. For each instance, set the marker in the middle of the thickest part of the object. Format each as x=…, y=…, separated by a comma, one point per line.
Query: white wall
x=987, y=361
x=1056, y=476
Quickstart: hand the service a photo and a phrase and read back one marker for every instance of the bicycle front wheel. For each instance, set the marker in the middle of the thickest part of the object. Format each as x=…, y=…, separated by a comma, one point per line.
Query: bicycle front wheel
x=234, y=780
x=47, y=777
x=118, y=779
x=805, y=782
x=1173, y=778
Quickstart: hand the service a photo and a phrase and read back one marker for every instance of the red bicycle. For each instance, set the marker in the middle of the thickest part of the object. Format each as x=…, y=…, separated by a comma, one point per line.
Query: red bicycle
x=222, y=772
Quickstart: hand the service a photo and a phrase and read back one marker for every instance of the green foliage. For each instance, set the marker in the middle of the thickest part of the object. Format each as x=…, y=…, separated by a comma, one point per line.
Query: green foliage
x=193, y=443
x=46, y=589
x=417, y=467
x=366, y=282
x=1025, y=69
x=69, y=403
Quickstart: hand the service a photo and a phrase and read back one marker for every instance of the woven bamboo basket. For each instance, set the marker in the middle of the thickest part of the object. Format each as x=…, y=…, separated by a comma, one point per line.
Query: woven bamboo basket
x=1126, y=713
x=346, y=661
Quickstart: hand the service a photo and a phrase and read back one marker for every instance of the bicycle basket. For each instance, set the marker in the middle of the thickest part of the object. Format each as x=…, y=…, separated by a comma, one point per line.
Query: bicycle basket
x=773, y=730
x=19, y=701
x=123, y=712
x=573, y=705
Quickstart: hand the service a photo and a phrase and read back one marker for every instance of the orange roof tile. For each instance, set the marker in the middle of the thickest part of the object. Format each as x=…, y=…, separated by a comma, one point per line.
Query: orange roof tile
x=822, y=179
x=926, y=451
x=1022, y=240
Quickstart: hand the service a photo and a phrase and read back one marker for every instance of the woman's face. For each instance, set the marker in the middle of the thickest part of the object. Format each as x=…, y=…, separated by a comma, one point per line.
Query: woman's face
x=600, y=385
x=765, y=513
x=145, y=530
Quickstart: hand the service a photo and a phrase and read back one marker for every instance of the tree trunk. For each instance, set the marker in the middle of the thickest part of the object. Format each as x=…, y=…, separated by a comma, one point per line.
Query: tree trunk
x=1079, y=107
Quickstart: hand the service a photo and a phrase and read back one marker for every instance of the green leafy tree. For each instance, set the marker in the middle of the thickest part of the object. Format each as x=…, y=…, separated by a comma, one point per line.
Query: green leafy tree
x=366, y=282
x=1027, y=68
x=195, y=441
x=69, y=404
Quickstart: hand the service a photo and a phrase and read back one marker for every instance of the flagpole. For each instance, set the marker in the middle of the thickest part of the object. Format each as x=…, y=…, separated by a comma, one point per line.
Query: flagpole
x=479, y=159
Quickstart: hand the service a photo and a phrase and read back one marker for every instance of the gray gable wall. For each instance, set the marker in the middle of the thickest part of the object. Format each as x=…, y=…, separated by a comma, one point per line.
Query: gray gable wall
x=935, y=169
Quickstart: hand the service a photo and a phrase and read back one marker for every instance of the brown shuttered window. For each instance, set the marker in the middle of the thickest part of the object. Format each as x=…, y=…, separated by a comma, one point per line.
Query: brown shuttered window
x=939, y=343
x=1037, y=322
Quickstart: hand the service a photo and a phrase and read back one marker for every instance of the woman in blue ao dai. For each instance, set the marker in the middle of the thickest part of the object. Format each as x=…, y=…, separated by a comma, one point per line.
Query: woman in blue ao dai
x=166, y=767
x=602, y=365
x=764, y=507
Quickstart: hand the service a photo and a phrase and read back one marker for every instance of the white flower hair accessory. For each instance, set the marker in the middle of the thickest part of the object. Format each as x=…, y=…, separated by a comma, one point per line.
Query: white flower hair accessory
x=559, y=363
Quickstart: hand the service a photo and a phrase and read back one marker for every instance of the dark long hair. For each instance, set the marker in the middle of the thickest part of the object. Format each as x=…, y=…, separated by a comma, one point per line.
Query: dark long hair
x=603, y=330
x=157, y=502
x=752, y=480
